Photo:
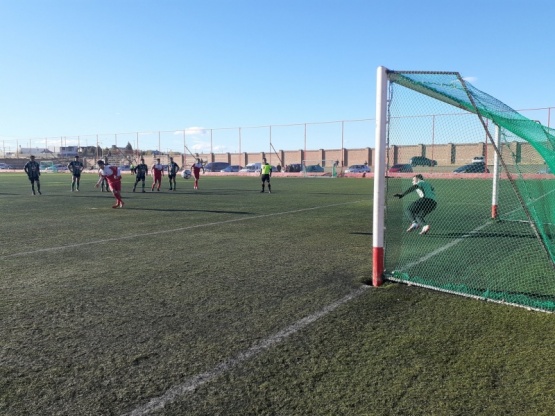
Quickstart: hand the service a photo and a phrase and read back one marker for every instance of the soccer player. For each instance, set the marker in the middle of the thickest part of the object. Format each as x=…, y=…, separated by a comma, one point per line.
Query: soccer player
x=32, y=169
x=112, y=175
x=157, y=173
x=104, y=184
x=173, y=168
x=140, y=172
x=418, y=209
x=75, y=167
x=196, y=167
x=265, y=175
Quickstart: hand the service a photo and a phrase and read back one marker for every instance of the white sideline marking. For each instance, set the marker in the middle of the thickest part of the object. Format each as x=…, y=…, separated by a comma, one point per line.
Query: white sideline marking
x=194, y=382
x=445, y=247
x=210, y=224
x=454, y=242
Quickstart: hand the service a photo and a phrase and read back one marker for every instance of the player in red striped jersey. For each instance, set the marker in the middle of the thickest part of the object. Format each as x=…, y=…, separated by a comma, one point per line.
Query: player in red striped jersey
x=113, y=175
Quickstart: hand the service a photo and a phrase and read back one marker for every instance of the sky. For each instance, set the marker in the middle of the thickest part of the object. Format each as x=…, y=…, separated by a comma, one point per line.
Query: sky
x=87, y=67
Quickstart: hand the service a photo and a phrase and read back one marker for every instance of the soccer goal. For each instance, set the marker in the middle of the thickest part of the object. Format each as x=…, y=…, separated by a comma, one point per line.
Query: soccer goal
x=491, y=234
x=319, y=168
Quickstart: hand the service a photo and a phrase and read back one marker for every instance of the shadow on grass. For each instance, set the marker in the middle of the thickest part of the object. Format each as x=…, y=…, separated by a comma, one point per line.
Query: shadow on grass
x=188, y=210
x=481, y=235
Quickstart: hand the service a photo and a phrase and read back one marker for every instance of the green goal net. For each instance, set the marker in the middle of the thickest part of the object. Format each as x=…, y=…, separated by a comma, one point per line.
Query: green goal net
x=489, y=168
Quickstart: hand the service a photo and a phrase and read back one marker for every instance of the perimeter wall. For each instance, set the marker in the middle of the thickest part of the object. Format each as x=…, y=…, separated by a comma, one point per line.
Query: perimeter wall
x=446, y=155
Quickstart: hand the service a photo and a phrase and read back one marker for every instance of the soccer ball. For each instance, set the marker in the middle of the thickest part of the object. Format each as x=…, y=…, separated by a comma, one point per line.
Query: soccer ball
x=186, y=174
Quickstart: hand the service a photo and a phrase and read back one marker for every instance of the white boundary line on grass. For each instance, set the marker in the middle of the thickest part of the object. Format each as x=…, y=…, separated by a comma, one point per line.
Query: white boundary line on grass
x=194, y=382
x=445, y=247
x=210, y=224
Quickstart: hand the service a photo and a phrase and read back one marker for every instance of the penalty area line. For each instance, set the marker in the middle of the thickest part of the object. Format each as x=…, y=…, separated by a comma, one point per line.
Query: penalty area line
x=194, y=382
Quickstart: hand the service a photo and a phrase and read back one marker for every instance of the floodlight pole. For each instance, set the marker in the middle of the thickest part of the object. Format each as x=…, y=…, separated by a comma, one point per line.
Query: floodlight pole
x=379, y=178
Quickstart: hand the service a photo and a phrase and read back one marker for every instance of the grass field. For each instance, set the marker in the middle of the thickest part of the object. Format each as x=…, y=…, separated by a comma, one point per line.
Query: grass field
x=226, y=301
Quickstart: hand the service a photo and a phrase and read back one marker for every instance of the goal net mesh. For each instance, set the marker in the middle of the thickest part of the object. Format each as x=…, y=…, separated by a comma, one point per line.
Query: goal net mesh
x=443, y=118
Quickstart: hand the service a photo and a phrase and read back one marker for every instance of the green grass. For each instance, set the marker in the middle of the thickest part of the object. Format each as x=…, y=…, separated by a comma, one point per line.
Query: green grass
x=103, y=310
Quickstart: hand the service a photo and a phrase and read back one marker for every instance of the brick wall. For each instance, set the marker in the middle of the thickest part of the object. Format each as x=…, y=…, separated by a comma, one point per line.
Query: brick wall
x=449, y=155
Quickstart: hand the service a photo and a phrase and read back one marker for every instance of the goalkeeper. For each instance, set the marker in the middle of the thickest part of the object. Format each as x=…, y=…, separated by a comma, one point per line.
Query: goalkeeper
x=418, y=209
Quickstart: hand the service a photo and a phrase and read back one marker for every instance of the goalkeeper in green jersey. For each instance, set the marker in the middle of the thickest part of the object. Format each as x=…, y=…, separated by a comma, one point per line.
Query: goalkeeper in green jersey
x=418, y=209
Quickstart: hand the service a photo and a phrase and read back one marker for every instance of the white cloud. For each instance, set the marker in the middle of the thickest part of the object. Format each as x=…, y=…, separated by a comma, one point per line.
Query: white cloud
x=472, y=80
x=195, y=131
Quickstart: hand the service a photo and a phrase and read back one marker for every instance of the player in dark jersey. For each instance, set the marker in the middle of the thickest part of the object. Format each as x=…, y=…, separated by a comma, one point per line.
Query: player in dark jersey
x=75, y=167
x=140, y=172
x=32, y=169
x=104, y=184
x=173, y=168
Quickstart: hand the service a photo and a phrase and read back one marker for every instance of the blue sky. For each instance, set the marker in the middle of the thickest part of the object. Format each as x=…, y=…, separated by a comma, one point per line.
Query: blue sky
x=83, y=67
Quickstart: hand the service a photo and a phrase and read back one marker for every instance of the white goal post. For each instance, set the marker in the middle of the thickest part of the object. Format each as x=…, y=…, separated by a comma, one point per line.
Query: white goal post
x=379, y=178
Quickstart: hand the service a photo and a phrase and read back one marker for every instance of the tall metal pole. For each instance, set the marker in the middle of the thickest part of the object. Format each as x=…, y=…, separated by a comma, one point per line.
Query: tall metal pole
x=240, y=138
x=342, y=142
x=304, y=154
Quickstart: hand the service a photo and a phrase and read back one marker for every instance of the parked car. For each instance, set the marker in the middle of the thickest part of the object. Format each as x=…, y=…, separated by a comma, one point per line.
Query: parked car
x=478, y=167
x=358, y=169
x=232, y=168
x=255, y=168
x=5, y=166
x=252, y=167
x=50, y=169
x=215, y=166
x=478, y=159
x=313, y=168
x=61, y=168
x=294, y=167
x=400, y=168
x=422, y=161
